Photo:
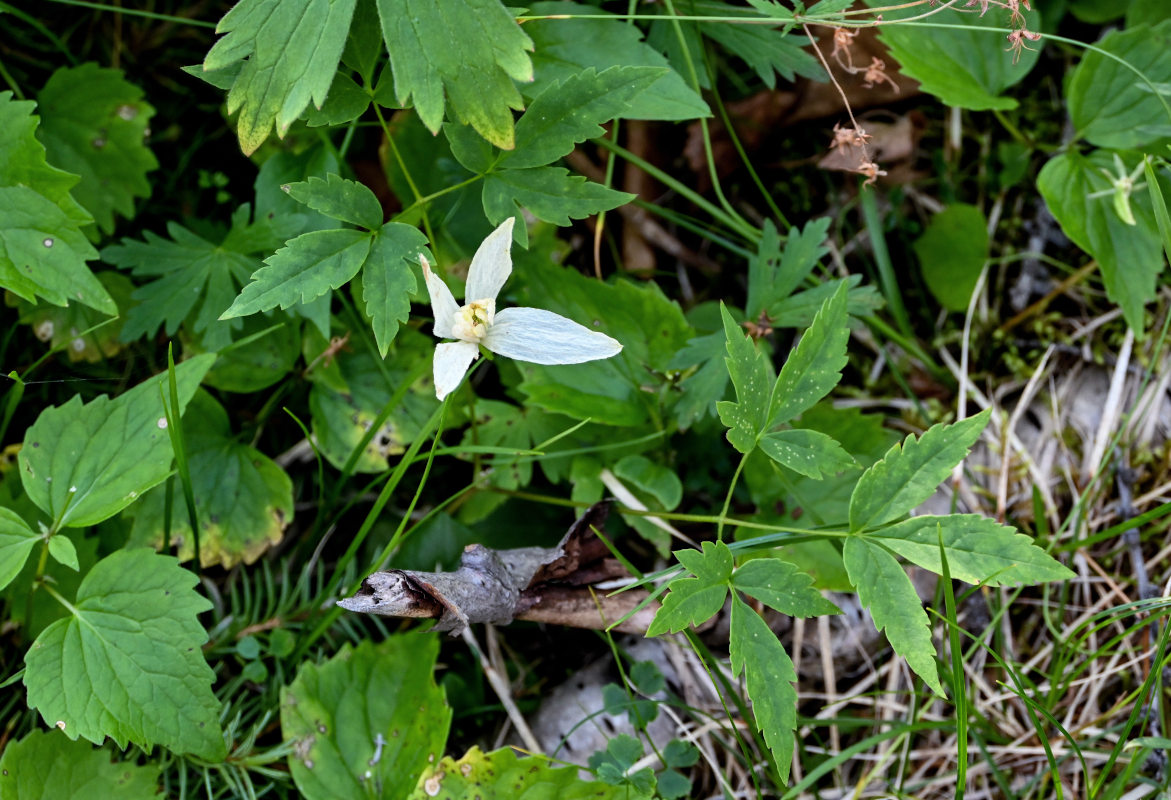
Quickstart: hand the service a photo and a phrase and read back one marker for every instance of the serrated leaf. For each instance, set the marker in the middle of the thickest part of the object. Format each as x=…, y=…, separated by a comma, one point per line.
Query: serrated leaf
x=695, y=600
x=810, y=453
x=387, y=280
x=17, y=540
x=83, y=463
x=303, y=270
x=370, y=716
x=126, y=663
x=1108, y=104
x=767, y=49
x=782, y=586
x=884, y=588
x=563, y=50
x=910, y=472
x=773, y=275
x=752, y=377
x=194, y=279
x=471, y=49
x=550, y=193
x=292, y=49
x=703, y=388
x=572, y=110
x=340, y=199
x=346, y=102
x=94, y=124
x=46, y=766
x=769, y=676
x=243, y=500
x=505, y=774
x=979, y=550
x=1130, y=256
x=815, y=365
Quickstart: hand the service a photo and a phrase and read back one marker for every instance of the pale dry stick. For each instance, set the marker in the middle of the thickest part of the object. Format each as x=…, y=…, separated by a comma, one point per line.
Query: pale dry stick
x=1111, y=411
x=1145, y=420
x=828, y=674
x=1014, y=419
x=500, y=685
x=625, y=497
x=1082, y=331
x=797, y=643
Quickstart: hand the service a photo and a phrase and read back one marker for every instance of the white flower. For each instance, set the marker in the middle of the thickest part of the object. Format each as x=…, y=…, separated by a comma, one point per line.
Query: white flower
x=526, y=334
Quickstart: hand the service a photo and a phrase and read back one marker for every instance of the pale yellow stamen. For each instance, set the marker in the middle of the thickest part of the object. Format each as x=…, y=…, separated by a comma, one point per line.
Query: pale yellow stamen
x=472, y=320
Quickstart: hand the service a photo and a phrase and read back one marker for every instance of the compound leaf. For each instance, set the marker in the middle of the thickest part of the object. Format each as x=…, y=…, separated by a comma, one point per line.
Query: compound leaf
x=752, y=377
x=884, y=588
x=387, y=279
x=369, y=716
x=815, y=365
x=83, y=463
x=769, y=676
x=126, y=662
x=94, y=124
x=472, y=49
x=782, y=586
x=910, y=471
x=292, y=49
x=695, y=600
x=810, y=453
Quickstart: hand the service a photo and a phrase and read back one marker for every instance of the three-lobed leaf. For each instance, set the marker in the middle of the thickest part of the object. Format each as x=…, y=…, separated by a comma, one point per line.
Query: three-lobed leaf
x=783, y=587
x=884, y=588
x=910, y=472
x=695, y=600
x=83, y=463
x=127, y=661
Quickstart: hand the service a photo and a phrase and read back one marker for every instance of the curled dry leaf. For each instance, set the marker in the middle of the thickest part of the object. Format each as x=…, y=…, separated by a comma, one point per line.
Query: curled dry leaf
x=538, y=584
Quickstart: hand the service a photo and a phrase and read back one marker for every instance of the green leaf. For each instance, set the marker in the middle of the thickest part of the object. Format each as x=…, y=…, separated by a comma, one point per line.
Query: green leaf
x=94, y=124
x=368, y=717
x=243, y=500
x=1149, y=12
x=303, y=270
x=783, y=587
x=961, y=66
x=340, y=199
x=550, y=193
x=255, y=363
x=1109, y=104
x=292, y=49
x=17, y=540
x=952, y=252
x=126, y=663
x=194, y=280
x=910, y=472
x=571, y=111
x=770, y=282
x=82, y=464
x=751, y=374
x=1130, y=256
x=706, y=386
x=63, y=552
x=815, y=365
x=810, y=453
x=44, y=765
x=695, y=600
x=346, y=102
x=504, y=774
x=387, y=279
x=884, y=588
x=565, y=48
x=979, y=550
x=769, y=676
x=473, y=49
x=656, y=480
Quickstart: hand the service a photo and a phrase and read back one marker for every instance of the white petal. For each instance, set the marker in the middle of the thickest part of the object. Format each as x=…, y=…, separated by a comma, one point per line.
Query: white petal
x=491, y=265
x=542, y=337
x=443, y=304
x=452, y=360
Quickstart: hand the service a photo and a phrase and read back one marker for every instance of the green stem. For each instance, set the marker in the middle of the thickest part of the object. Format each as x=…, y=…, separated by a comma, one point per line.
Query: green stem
x=728, y=497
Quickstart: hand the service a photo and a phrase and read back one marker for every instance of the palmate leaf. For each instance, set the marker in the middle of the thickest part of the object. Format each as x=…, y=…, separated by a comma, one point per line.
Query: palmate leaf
x=126, y=663
x=370, y=716
x=884, y=588
x=695, y=600
x=815, y=365
x=910, y=472
x=94, y=124
x=17, y=540
x=471, y=49
x=292, y=49
x=769, y=676
x=752, y=377
x=243, y=500
x=83, y=463
x=194, y=280
x=810, y=453
x=979, y=550
x=46, y=766
x=783, y=587
x=774, y=274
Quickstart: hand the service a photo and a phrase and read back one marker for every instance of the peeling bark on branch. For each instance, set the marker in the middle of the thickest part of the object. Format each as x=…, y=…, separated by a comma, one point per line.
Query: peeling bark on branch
x=540, y=584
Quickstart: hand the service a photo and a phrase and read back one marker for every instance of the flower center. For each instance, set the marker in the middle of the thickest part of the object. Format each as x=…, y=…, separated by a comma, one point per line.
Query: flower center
x=473, y=319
